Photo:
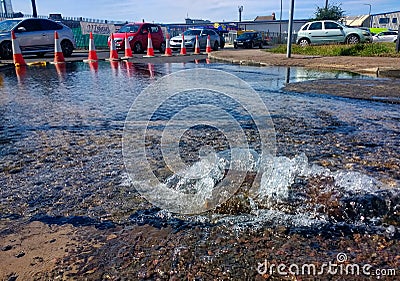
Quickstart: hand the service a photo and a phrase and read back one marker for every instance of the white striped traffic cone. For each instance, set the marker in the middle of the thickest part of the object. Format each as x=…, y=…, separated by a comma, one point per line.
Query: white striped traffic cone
x=208, y=48
x=197, y=46
x=168, y=50
x=128, y=50
x=183, y=47
x=113, y=50
x=58, y=54
x=92, y=57
x=150, y=49
x=17, y=55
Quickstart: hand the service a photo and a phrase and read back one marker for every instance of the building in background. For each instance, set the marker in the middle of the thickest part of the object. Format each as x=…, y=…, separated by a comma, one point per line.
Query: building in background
x=357, y=21
x=389, y=20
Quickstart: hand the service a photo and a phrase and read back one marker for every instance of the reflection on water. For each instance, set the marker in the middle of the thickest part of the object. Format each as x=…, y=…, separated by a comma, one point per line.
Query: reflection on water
x=337, y=159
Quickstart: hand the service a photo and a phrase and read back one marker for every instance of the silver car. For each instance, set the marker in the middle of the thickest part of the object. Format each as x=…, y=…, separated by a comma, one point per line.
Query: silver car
x=328, y=32
x=35, y=36
x=190, y=39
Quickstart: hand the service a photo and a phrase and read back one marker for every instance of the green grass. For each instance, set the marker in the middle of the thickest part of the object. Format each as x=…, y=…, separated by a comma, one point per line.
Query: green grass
x=363, y=50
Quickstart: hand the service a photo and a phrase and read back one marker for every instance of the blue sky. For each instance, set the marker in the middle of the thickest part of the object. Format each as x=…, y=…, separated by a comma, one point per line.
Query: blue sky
x=168, y=11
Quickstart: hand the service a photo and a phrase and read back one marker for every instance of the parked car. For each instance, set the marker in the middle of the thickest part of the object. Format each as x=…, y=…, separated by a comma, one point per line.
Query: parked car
x=221, y=39
x=190, y=39
x=326, y=32
x=385, y=36
x=35, y=36
x=137, y=36
x=249, y=40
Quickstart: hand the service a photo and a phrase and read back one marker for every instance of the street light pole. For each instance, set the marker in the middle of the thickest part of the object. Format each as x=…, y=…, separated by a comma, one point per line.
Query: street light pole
x=240, y=12
x=369, y=13
x=280, y=26
x=34, y=11
x=290, y=30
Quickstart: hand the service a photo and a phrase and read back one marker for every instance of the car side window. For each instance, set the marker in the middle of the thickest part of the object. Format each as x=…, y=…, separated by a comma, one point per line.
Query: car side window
x=30, y=25
x=50, y=25
x=315, y=26
x=331, y=25
x=305, y=27
x=205, y=32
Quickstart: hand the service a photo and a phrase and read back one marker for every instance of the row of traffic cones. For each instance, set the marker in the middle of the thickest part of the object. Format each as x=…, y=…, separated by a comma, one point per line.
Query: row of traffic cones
x=17, y=54
x=92, y=57
x=150, y=49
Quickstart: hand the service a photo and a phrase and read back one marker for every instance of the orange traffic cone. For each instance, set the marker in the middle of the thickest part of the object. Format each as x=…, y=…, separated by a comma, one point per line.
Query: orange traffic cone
x=113, y=50
x=183, y=47
x=17, y=55
x=92, y=50
x=208, y=48
x=128, y=50
x=197, y=46
x=168, y=50
x=58, y=54
x=150, y=50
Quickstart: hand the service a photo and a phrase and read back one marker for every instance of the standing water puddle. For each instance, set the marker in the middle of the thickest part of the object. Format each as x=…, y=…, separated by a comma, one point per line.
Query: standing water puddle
x=333, y=185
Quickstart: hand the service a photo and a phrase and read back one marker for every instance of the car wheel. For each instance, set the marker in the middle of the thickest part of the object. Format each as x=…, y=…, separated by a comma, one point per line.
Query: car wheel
x=235, y=46
x=251, y=45
x=353, y=39
x=67, y=48
x=137, y=48
x=304, y=42
x=162, y=47
x=216, y=46
x=6, y=50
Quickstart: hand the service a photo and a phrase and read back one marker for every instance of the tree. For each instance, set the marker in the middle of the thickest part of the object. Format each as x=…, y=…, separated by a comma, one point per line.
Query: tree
x=331, y=12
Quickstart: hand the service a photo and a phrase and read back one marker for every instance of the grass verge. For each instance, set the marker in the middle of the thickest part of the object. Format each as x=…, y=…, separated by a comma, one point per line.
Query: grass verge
x=362, y=50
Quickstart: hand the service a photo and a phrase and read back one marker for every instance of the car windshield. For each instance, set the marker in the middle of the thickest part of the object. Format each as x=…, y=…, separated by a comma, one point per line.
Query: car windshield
x=129, y=28
x=7, y=25
x=246, y=36
x=192, y=32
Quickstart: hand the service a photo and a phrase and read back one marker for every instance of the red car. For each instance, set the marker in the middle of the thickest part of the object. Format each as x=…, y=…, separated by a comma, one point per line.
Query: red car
x=137, y=36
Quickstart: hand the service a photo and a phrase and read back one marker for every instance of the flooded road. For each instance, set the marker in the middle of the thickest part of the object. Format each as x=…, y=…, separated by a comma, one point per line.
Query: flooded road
x=334, y=180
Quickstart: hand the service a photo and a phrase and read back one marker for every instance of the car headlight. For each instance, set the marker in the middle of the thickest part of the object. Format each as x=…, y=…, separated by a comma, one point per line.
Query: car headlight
x=130, y=38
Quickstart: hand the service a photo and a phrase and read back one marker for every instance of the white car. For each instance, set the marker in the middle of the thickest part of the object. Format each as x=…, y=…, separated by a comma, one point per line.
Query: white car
x=385, y=36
